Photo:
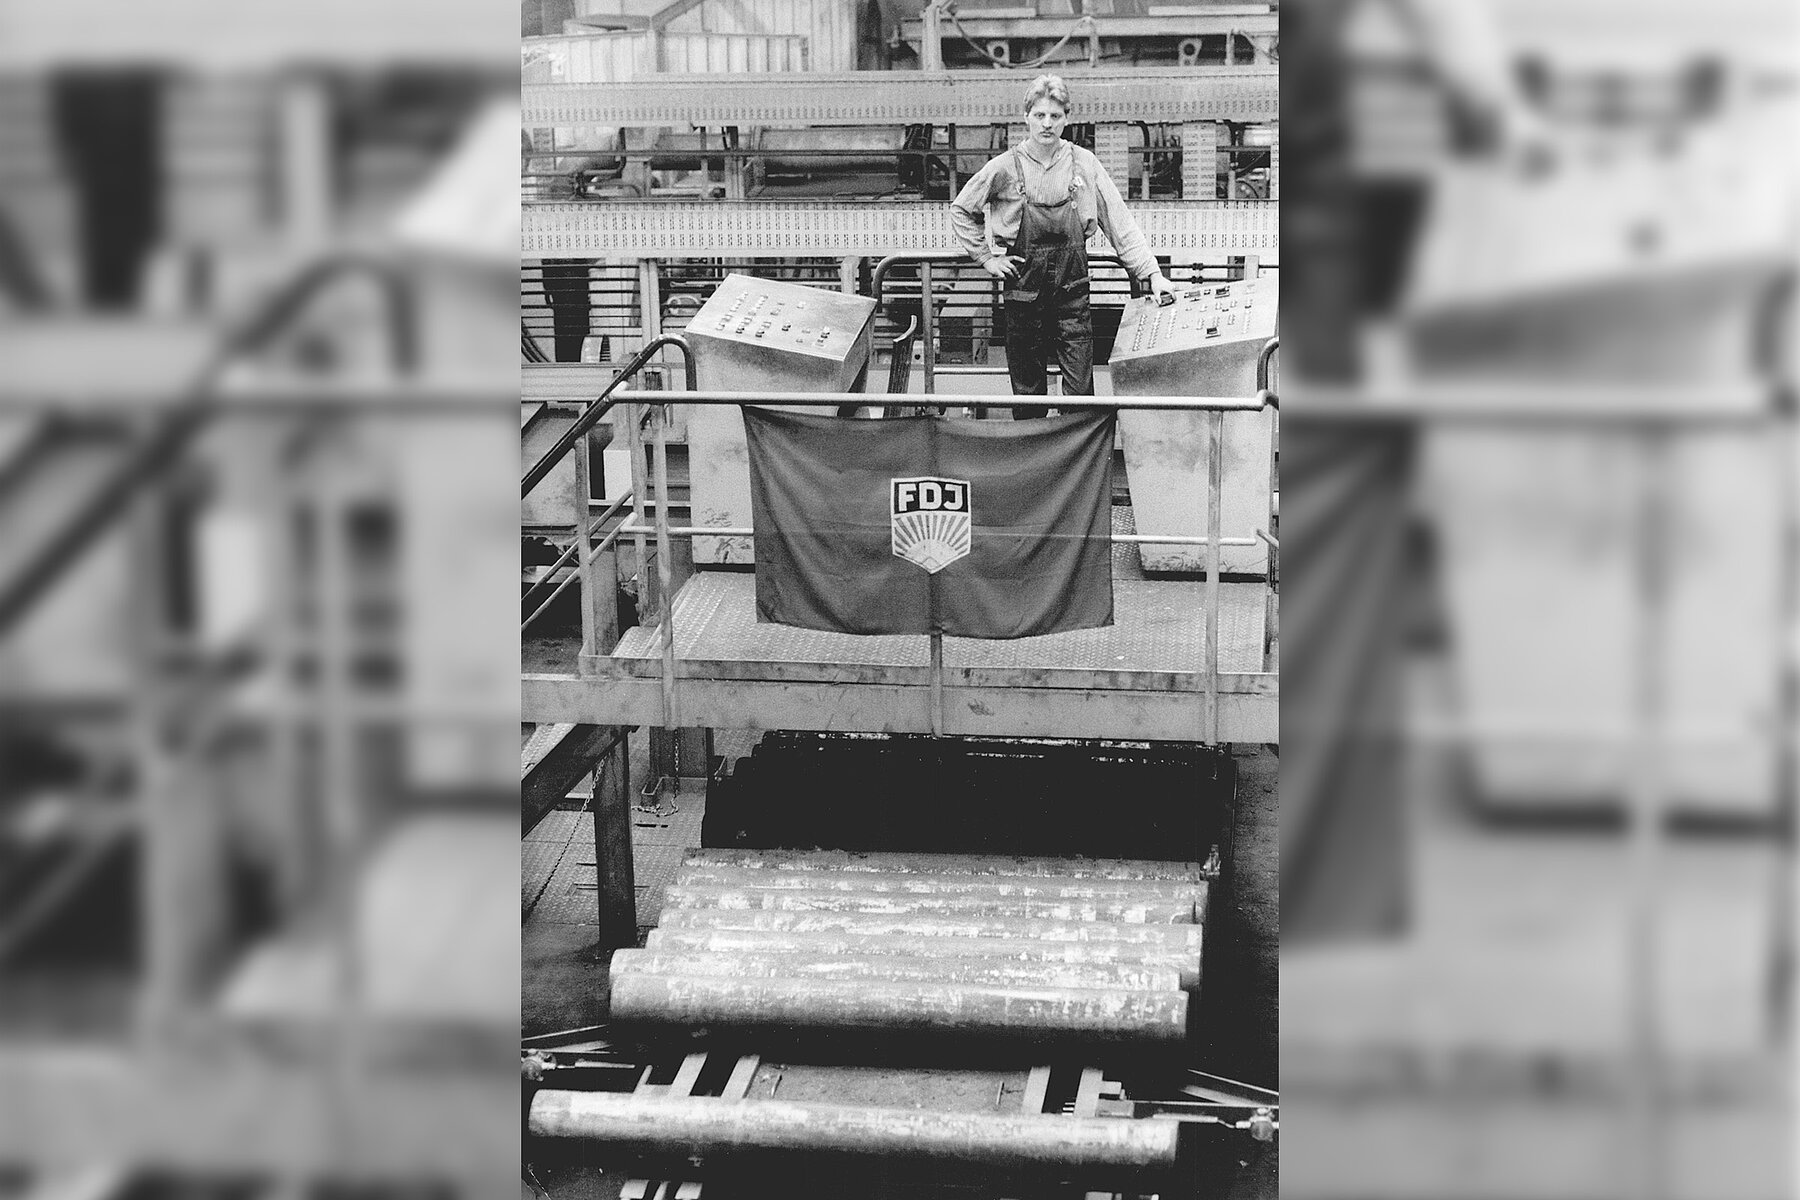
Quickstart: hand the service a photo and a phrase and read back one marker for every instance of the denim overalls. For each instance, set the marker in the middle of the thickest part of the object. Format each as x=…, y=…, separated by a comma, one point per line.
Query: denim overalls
x=1047, y=307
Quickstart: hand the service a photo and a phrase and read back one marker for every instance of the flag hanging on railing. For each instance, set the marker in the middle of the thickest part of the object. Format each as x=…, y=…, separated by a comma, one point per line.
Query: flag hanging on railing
x=985, y=529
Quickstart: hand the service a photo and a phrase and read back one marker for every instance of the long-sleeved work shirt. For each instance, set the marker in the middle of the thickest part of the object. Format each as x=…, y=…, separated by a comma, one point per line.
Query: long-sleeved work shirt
x=986, y=213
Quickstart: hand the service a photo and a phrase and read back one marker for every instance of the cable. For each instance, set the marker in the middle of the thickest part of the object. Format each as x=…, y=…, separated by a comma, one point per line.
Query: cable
x=1034, y=64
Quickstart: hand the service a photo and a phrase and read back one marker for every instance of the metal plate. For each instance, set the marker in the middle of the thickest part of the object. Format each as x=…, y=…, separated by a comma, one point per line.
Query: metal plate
x=894, y=98
x=1157, y=632
x=774, y=228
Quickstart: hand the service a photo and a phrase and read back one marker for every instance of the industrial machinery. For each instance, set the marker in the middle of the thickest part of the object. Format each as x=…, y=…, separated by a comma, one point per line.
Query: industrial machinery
x=1206, y=343
x=941, y=913
x=762, y=335
x=929, y=1015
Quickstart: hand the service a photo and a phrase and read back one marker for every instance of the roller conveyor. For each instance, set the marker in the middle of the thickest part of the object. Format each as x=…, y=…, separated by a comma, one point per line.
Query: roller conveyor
x=1009, y=987
x=1008, y=1143
x=844, y=862
x=933, y=926
x=747, y=946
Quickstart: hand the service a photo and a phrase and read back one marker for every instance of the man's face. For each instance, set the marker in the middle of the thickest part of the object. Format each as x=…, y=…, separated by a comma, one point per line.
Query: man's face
x=1046, y=120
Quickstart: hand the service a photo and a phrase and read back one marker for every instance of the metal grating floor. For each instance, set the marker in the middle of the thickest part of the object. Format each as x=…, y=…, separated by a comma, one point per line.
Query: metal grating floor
x=558, y=859
x=1157, y=630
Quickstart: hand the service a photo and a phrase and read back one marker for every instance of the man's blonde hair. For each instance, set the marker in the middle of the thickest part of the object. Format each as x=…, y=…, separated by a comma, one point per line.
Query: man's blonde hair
x=1047, y=87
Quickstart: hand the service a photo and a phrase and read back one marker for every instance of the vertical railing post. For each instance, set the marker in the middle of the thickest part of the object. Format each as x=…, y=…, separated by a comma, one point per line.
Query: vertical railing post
x=671, y=714
x=1215, y=488
x=928, y=326
x=584, y=525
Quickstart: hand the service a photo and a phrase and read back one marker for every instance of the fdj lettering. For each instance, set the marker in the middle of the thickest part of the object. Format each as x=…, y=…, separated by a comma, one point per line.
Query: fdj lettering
x=930, y=495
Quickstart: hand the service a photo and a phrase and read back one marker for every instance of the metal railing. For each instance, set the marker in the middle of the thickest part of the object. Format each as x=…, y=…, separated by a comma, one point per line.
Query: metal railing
x=657, y=404
x=925, y=260
x=603, y=404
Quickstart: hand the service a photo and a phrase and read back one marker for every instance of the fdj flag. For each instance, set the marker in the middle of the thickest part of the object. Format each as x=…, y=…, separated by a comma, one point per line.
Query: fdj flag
x=988, y=529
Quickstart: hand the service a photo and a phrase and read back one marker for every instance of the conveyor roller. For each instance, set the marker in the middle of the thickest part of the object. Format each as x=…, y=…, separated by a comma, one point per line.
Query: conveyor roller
x=693, y=1128
x=1057, y=950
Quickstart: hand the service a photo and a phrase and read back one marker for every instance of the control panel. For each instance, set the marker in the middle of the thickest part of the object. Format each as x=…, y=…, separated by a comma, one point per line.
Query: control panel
x=785, y=317
x=1201, y=315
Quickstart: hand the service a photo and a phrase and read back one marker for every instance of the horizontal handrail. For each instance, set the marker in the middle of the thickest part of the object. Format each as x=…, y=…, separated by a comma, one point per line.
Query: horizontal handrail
x=1129, y=539
x=603, y=404
x=566, y=556
x=606, y=543
x=838, y=399
x=914, y=257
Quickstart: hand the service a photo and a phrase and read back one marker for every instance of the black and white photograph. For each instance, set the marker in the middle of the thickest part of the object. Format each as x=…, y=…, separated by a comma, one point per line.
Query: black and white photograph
x=901, y=567
x=908, y=440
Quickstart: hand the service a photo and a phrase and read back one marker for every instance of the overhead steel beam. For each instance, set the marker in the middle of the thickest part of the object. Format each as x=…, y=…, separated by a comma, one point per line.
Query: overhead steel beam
x=1166, y=26
x=782, y=229
x=1184, y=94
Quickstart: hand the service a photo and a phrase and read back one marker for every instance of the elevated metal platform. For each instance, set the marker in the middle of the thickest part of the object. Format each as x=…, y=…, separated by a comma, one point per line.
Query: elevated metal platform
x=903, y=97
x=1140, y=679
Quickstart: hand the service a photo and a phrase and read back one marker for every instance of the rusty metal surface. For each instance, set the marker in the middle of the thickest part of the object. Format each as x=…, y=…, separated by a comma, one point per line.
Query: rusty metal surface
x=691, y=1126
x=1128, y=911
x=979, y=865
x=1070, y=1013
x=751, y=943
x=1184, y=937
x=932, y=884
x=923, y=968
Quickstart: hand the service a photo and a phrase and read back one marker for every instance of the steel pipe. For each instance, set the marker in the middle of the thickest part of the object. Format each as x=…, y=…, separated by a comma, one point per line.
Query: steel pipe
x=690, y=1127
x=1081, y=1014
x=1131, y=911
x=944, y=864
x=749, y=942
x=852, y=967
x=920, y=884
x=933, y=925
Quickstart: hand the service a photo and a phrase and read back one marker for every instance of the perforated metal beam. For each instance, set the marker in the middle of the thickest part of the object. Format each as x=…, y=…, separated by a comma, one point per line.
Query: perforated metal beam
x=775, y=228
x=903, y=97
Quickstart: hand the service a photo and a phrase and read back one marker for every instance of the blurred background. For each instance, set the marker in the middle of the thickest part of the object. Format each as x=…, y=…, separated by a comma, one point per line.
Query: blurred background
x=1538, y=462
x=258, y=684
